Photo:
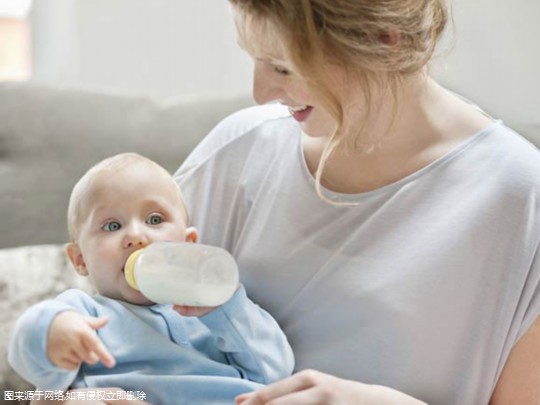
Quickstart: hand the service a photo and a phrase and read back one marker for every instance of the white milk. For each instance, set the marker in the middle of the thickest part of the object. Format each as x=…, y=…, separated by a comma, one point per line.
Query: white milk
x=183, y=273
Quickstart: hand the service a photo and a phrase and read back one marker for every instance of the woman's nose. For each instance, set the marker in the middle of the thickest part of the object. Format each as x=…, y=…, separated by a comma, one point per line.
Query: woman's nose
x=265, y=89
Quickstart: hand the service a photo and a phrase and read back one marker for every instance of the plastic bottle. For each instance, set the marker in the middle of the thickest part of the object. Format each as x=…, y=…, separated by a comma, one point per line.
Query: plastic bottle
x=183, y=273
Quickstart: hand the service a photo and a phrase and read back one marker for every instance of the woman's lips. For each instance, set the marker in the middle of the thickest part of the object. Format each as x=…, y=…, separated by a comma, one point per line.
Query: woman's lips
x=300, y=113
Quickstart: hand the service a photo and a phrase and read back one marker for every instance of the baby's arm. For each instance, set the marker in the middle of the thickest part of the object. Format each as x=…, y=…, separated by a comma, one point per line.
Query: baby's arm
x=72, y=340
x=251, y=339
x=31, y=344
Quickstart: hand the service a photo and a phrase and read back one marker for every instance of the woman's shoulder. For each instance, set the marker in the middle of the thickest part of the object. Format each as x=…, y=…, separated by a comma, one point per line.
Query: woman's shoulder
x=508, y=162
x=238, y=132
x=515, y=153
x=241, y=123
x=246, y=120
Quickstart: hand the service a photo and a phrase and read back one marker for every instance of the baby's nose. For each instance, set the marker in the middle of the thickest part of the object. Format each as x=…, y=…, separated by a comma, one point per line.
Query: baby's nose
x=135, y=238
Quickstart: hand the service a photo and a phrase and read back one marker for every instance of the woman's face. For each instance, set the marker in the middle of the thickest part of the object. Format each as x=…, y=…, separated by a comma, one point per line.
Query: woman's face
x=275, y=80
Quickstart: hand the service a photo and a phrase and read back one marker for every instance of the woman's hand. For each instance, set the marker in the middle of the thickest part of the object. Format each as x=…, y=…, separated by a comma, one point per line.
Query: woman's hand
x=314, y=387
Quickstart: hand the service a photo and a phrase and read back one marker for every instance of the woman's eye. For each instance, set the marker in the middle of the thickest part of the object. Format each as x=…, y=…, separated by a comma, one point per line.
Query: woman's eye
x=111, y=226
x=154, y=220
x=280, y=71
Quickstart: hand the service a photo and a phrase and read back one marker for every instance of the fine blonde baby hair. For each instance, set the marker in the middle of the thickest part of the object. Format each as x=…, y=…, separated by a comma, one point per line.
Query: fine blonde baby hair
x=79, y=194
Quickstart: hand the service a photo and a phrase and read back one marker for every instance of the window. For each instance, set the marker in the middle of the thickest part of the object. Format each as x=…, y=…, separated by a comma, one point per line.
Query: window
x=15, y=54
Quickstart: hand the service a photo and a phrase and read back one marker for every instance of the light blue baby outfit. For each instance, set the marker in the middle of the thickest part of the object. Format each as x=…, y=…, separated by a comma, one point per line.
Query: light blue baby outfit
x=182, y=360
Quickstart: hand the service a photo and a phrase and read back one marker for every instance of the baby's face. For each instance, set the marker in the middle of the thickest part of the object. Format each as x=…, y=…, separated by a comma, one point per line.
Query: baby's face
x=125, y=211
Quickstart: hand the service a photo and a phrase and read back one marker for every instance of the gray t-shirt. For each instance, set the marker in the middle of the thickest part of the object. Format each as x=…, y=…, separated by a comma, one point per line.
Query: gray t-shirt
x=425, y=285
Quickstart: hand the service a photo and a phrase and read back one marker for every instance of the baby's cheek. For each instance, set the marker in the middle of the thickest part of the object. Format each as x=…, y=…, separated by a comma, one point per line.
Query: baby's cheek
x=177, y=233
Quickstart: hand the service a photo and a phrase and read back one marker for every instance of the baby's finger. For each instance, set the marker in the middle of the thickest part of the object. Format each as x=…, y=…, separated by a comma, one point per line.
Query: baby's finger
x=86, y=355
x=69, y=363
x=96, y=323
x=183, y=310
x=242, y=398
x=94, y=345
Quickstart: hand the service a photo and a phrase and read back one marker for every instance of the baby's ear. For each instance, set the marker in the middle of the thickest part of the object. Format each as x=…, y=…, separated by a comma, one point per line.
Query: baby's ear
x=192, y=235
x=76, y=258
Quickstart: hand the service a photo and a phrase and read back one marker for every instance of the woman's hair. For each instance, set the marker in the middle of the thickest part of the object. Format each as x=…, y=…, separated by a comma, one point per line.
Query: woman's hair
x=377, y=43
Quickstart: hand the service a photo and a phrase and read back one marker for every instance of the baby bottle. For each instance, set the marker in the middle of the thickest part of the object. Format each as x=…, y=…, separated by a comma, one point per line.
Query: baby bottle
x=183, y=273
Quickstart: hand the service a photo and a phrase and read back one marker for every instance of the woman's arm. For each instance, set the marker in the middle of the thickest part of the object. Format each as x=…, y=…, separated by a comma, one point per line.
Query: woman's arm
x=519, y=383
x=313, y=387
x=520, y=379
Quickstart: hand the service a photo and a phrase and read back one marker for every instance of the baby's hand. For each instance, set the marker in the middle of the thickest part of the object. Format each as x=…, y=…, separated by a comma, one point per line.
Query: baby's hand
x=185, y=310
x=72, y=339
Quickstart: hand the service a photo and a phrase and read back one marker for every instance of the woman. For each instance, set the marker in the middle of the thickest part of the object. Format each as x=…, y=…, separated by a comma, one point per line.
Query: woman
x=388, y=225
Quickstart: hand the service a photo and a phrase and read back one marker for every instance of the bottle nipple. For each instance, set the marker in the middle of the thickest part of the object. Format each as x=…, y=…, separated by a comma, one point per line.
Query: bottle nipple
x=129, y=269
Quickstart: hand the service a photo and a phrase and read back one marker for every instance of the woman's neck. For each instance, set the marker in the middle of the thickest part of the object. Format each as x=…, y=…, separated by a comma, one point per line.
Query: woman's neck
x=429, y=122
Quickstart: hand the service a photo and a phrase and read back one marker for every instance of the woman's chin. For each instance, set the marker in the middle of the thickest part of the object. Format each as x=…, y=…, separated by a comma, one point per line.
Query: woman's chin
x=315, y=131
x=315, y=134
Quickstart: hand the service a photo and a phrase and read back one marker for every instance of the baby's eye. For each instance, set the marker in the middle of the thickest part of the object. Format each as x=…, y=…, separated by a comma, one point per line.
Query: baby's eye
x=111, y=226
x=154, y=219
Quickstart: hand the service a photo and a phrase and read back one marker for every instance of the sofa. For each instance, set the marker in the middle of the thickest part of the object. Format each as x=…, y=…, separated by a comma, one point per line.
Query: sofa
x=49, y=136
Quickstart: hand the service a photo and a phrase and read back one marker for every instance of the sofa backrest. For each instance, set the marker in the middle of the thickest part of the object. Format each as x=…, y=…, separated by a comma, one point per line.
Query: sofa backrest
x=50, y=136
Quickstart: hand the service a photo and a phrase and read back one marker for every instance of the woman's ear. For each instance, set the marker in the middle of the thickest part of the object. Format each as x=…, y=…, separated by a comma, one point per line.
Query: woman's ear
x=192, y=235
x=76, y=258
x=391, y=38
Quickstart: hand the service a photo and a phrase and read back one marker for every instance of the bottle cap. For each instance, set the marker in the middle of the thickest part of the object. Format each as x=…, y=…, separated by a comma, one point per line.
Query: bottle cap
x=129, y=269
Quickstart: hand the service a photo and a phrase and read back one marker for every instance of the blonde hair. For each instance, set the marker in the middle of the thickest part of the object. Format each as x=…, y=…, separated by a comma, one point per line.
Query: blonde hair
x=79, y=194
x=377, y=43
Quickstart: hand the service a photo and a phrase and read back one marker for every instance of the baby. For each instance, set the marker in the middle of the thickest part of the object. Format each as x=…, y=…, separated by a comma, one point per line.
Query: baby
x=119, y=338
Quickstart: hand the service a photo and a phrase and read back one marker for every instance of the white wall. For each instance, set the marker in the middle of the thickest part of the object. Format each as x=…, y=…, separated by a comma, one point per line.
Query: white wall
x=496, y=58
x=163, y=48
x=181, y=48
